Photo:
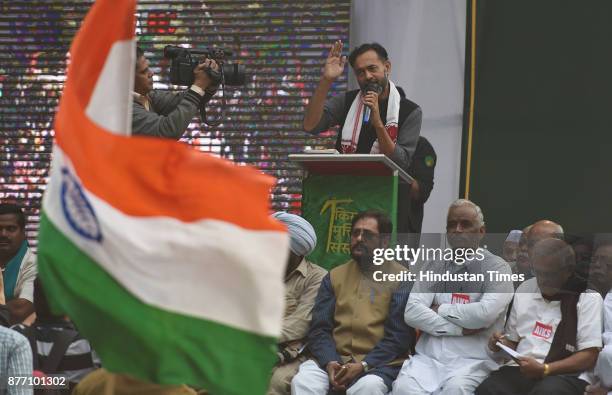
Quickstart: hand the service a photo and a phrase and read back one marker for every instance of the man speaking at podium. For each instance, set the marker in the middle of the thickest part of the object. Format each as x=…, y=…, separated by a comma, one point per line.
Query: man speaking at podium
x=375, y=119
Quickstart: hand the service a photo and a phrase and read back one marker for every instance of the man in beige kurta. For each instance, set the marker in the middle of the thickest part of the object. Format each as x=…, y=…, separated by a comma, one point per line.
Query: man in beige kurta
x=302, y=281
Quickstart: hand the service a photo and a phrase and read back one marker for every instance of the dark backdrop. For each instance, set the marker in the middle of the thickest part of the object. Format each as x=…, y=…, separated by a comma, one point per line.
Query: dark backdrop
x=542, y=136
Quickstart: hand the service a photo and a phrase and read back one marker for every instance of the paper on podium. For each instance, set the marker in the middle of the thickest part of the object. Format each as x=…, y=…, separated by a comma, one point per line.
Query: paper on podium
x=321, y=151
x=513, y=354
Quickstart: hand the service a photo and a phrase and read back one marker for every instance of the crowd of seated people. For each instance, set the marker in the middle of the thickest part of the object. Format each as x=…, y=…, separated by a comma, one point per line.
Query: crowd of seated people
x=33, y=341
x=555, y=323
x=344, y=332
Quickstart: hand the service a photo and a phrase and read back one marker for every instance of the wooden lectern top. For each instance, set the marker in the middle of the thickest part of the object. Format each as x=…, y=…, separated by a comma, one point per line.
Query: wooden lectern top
x=350, y=164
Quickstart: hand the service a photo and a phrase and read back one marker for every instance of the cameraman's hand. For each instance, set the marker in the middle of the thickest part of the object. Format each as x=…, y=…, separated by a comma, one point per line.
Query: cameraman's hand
x=201, y=77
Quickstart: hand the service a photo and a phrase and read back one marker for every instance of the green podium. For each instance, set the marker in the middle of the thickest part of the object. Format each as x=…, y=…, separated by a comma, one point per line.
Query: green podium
x=335, y=188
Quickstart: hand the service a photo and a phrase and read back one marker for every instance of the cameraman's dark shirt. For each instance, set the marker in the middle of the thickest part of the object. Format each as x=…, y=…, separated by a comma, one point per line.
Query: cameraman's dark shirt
x=169, y=116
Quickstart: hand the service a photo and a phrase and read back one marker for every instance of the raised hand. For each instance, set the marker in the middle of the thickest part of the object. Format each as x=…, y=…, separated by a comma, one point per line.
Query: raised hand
x=334, y=65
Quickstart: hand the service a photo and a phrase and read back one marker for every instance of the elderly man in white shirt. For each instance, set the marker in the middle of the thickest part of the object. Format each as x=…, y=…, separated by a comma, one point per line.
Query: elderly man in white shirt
x=455, y=318
x=601, y=279
x=554, y=326
x=603, y=369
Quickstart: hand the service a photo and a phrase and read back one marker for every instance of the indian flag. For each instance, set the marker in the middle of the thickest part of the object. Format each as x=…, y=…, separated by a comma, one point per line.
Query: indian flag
x=163, y=256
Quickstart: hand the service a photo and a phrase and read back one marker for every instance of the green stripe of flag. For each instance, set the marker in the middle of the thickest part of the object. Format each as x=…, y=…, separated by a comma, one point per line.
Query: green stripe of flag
x=145, y=341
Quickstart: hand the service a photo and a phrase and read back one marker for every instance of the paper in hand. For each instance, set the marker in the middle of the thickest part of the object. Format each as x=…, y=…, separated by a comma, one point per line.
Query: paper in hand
x=513, y=354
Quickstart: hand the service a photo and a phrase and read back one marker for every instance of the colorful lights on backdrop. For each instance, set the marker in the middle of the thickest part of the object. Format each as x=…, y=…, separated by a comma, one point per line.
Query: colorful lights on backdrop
x=282, y=44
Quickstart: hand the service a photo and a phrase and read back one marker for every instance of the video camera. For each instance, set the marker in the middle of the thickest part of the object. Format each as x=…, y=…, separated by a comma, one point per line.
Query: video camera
x=183, y=62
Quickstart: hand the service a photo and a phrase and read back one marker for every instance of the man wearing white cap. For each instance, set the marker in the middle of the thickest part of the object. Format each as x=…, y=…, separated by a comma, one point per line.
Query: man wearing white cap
x=302, y=281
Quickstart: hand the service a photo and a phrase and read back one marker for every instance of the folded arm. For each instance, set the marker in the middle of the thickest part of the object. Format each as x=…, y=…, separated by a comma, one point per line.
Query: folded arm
x=419, y=315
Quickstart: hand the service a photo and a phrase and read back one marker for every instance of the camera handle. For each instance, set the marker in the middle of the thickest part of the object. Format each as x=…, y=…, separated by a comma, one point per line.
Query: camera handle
x=203, y=116
x=215, y=76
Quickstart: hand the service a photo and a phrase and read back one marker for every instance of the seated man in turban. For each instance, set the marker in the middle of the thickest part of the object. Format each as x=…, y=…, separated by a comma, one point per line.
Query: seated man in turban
x=302, y=280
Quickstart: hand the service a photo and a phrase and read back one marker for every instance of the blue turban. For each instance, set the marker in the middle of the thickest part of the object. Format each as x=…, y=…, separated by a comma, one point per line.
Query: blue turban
x=302, y=234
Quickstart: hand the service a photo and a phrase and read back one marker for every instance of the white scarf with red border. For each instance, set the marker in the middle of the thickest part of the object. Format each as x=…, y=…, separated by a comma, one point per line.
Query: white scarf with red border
x=354, y=120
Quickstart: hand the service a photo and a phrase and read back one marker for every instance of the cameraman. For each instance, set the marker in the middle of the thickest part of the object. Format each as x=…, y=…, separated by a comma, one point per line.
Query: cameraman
x=166, y=114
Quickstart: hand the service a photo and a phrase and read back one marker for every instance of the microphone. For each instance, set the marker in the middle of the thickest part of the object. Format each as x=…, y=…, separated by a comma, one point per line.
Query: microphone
x=370, y=87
